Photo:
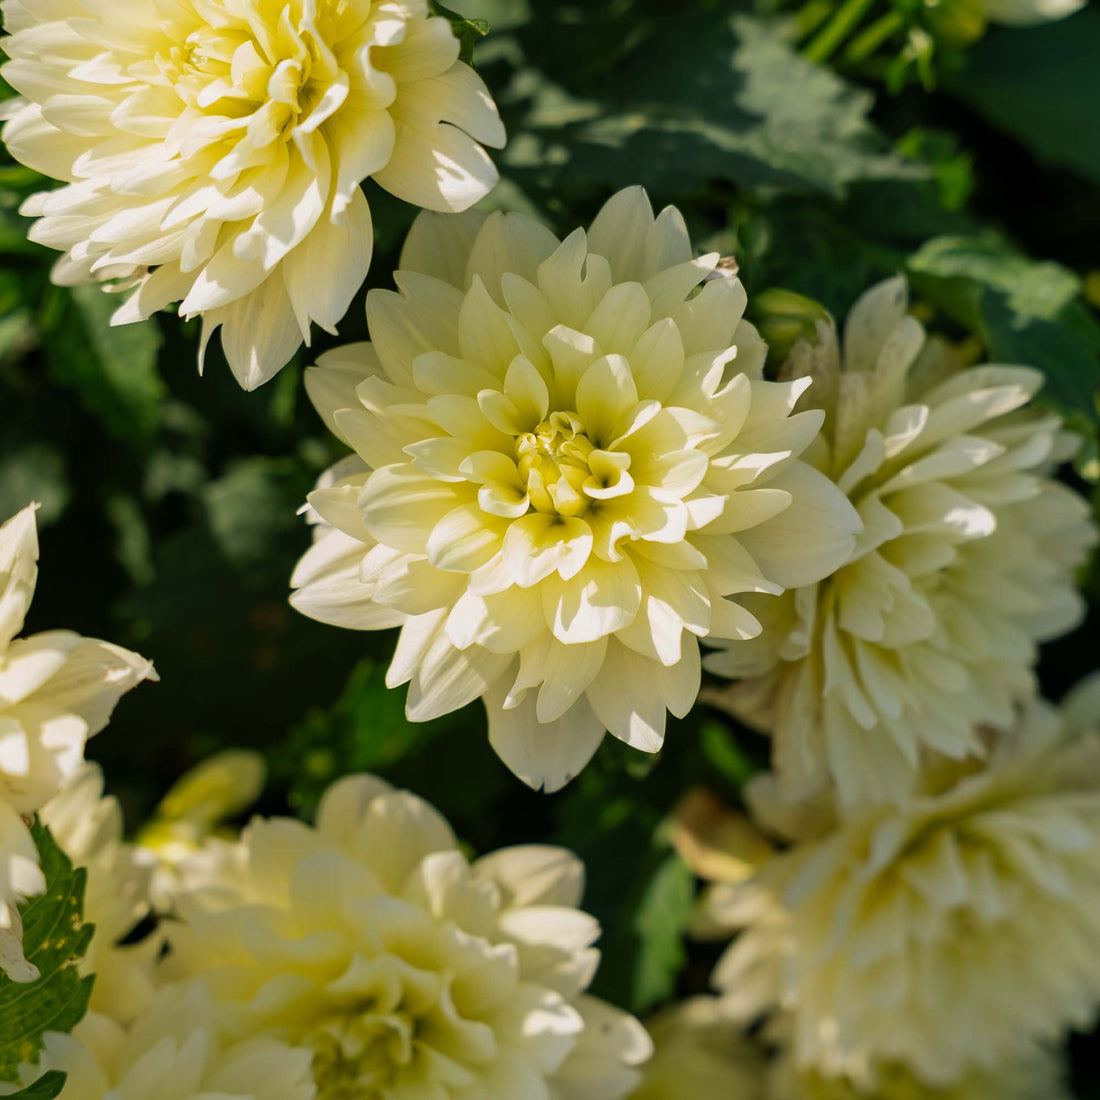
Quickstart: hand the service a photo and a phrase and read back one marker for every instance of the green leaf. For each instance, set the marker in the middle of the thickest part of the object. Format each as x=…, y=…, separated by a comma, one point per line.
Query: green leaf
x=1026, y=312
x=47, y=1087
x=364, y=730
x=113, y=369
x=1041, y=85
x=251, y=510
x=33, y=471
x=54, y=940
x=663, y=915
x=467, y=31
x=704, y=97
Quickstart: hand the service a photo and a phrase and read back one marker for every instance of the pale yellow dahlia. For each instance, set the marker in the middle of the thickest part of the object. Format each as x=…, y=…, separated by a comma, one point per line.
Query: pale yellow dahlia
x=56, y=690
x=212, y=150
x=966, y=561
x=174, y=1051
x=406, y=970
x=701, y=1054
x=88, y=827
x=1039, y=1077
x=567, y=473
x=946, y=936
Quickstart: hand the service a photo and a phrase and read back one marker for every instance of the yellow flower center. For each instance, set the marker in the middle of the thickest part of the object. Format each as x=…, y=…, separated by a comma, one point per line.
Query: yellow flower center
x=563, y=471
x=357, y=1058
x=261, y=81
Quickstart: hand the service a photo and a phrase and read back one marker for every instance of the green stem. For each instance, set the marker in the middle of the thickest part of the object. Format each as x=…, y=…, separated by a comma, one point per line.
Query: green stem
x=878, y=32
x=838, y=28
x=811, y=16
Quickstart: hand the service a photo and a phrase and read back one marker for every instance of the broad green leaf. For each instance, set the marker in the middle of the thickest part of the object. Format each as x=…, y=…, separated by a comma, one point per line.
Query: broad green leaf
x=47, y=1087
x=1026, y=312
x=1041, y=85
x=54, y=940
x=663, y=915
x=691, y=97
x=113, y=369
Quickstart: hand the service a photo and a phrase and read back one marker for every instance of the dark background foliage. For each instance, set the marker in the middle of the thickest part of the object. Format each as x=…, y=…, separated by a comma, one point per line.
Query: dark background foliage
x=168, y=500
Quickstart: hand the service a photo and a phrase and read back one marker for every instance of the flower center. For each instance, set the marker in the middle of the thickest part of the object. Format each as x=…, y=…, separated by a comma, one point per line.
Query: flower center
x=357, y=1057
x=563, y=472
x=266, y=84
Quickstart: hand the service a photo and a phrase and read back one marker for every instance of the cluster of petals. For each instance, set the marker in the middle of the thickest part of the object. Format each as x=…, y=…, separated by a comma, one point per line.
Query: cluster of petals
x=212, y=151
x=56, y=690
x=174, y=1051
x=922, y=936
x=406, y=971
x=704, y=1051
x=567, y=472
x=966, y=561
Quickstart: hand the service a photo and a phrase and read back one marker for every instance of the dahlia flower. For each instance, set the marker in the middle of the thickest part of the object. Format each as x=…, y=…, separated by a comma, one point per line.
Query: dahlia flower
x=567, y=473
x=56, y=690
x=405, y=970
x=173, y=1052
x=212, y=151
x=88, y=828
x=966, y=561
x=946, y=936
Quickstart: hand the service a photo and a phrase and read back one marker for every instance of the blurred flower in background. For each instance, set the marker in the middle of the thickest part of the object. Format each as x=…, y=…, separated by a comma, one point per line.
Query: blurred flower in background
x=908, y=935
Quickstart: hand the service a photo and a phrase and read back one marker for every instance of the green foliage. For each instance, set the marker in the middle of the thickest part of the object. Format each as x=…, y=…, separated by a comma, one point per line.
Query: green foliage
x=1042, y=86
x=696, y=96
x=113, y=370
x=54, y=940
x=1025, y=312
x=661, y=922
x=47, y=1087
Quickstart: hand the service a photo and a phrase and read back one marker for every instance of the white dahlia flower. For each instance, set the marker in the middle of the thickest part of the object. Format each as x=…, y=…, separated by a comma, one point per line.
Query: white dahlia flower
x=56, y=690
x=567, y=473
x=701, y=1054
x=88, y=828
x=407, y=971
x=966, y=561
x=948, y=935
x=213, y=150
x=173, y=1051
